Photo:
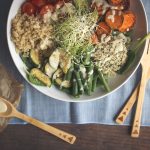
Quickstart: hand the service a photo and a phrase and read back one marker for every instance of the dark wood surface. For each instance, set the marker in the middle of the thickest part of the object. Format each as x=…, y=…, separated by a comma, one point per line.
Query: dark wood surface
x=89, y=137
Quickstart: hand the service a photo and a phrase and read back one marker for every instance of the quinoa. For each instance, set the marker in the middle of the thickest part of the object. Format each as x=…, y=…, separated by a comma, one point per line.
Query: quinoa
x=111, y=53
x=30, y=32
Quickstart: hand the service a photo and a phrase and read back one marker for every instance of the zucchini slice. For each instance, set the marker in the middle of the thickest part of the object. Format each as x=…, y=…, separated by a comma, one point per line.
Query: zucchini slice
x=54, y=59
x=65, y=62
x=49, y=70
x=63, y=84
x=58, y=74
x=41, y=76
x=34, y=80
x=35, y=57
x=27, y=61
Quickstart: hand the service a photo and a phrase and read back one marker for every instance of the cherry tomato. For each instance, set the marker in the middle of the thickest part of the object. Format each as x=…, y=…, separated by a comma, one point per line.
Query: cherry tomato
x=28, y=8
x=39, y=3
x=46, y=9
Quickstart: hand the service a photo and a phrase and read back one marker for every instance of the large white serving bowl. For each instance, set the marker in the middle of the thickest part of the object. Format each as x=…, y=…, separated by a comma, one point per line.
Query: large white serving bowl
x=115, y=83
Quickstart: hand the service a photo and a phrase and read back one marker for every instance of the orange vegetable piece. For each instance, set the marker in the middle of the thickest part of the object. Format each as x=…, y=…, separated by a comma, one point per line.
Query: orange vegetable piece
x=129, y=20
x=114, y=19
x=120, y=4
x=115, y=2
x=94, y=39
x=103, y=28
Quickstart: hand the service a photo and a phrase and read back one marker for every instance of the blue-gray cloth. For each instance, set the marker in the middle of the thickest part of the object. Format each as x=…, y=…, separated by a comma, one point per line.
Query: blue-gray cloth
x=48, y=110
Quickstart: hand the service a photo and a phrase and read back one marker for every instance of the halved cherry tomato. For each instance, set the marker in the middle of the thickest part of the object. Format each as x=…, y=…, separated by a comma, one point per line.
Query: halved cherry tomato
x=28, y=8
x=46, y=9
x=39, y=3
x=103, y=28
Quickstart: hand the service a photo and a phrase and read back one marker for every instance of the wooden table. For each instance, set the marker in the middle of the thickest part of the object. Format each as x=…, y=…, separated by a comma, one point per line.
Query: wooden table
x=89, y=137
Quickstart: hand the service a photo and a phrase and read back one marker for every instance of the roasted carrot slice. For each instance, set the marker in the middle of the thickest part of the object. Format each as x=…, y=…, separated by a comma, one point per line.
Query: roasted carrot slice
x=114, y=19
x=129, y=20
x=115, y=2
x=94, y=39
x=120, y=4
x=102, y=28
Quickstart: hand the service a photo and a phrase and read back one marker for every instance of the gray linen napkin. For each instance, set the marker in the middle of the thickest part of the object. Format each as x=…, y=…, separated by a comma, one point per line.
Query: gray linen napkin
x=49, y=110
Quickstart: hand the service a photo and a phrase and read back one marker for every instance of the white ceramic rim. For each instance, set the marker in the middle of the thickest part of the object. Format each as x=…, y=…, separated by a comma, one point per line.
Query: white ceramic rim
x=92, y=99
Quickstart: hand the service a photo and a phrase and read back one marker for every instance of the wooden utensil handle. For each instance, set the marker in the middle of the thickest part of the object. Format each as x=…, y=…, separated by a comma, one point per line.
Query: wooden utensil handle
x=59, y=133
x=137, y=119
x=125, y=111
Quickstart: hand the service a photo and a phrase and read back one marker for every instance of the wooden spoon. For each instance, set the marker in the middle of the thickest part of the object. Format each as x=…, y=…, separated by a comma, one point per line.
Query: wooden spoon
x=7, y=110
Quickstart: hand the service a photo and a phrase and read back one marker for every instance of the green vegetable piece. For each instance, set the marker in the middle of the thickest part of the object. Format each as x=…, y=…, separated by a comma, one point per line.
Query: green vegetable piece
x=94, y=83
x=75, y=90
x=35, y=57
x=82, y=77
x=80, y=85
x=129, y=33
x=104, y=81
x=84, y=82
x=141, y=42
x=34, y=80
x=86, y=88
x=62, y=84
x=41, y=76
x=58, y=74
x=130, y=59
x=81, y=5
x=90, y=72
x=68, y=76
x=68, y=91
x=132, y=54
x=29, y=64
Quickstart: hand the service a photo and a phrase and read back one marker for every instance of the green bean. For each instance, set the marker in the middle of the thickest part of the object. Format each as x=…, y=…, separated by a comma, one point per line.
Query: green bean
x=80, y=85
x=87, y=59
x=82, y=78
x=104, y=81
x=90, y=78
x=84, y=82
x=75, y=90
x=94, y=82
x=68, y=76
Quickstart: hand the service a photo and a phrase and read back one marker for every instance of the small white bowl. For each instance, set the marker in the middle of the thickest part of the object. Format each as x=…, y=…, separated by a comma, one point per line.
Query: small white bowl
x=141, y=29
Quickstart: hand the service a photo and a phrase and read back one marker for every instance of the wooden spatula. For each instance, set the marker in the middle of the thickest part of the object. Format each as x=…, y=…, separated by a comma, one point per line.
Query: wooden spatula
x=125, y=111
x=127, y=108
x=145, y=63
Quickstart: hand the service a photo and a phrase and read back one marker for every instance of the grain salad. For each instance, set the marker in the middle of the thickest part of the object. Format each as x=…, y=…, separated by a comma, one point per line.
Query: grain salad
x=30, y=32
x=111, y=53
x=75, y=45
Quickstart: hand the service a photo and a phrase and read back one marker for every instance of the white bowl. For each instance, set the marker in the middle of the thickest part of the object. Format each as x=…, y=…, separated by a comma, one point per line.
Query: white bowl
x=115, y=83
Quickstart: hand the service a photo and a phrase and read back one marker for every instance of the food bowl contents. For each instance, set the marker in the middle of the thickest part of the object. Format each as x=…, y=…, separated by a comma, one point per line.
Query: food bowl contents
x=75, y=45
